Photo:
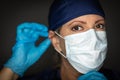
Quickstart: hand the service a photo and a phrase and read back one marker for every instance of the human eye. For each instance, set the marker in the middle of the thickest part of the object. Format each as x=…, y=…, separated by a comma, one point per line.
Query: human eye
x=100, y=27
x=77, y=28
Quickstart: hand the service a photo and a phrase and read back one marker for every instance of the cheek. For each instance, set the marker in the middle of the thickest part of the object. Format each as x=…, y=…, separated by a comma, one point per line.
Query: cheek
x=65, y=31
x=62, y=45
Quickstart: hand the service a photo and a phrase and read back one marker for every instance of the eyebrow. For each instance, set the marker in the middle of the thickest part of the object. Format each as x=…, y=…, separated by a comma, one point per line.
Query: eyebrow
x=86, y=22
x=77, y=21
x=99, y=20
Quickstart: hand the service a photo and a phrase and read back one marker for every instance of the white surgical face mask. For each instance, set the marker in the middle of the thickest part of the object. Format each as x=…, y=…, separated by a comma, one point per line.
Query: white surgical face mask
x=86, y=51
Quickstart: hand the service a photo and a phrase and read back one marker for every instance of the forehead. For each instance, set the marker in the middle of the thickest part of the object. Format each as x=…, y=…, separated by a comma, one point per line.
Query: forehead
x=86, y=18
x=86, y=21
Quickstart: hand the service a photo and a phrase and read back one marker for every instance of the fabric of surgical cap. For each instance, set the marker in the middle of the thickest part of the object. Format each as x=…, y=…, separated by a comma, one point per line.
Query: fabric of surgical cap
x=62, y=11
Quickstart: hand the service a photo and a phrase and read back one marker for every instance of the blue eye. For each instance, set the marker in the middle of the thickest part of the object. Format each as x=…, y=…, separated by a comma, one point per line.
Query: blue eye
x=77, y=28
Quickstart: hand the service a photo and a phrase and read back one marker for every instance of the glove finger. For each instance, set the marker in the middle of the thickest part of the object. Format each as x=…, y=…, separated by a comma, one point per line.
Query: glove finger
x=36, y=35
x=40, y=27
x=40, y=34
x=44, y=45
x=26, y=35
x=28, y=32
x=92, y=75
x=33, y=26
x=22, y=26
x=39, y=51
x=43, y=34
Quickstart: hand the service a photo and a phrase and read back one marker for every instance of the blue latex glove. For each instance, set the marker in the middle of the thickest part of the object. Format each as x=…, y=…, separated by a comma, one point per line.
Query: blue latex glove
x=24, y=52
x=92, y=75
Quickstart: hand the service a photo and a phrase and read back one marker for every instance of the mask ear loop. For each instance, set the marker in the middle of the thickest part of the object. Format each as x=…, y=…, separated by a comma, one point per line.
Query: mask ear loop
x=60, y=52
x=58, y=34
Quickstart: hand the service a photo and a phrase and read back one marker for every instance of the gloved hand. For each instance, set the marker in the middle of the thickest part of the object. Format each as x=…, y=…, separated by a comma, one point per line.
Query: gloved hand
x=92, y=75
x=24, y=52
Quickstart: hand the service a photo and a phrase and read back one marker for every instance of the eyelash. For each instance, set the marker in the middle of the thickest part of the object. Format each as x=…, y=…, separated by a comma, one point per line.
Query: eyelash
x=100, y=26
x=77, y=28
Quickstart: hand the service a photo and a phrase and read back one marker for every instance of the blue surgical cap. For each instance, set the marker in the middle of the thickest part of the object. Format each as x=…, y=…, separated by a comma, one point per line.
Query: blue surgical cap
x=62, y=11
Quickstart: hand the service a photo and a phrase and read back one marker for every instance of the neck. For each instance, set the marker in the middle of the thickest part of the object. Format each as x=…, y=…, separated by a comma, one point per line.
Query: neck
x=68, y=72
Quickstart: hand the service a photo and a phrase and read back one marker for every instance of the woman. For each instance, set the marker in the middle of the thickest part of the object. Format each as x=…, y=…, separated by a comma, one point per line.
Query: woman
x=79, y=36
x=77, y=32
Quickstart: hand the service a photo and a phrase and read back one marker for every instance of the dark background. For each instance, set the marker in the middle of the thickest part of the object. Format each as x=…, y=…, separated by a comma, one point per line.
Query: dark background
x=13, y=13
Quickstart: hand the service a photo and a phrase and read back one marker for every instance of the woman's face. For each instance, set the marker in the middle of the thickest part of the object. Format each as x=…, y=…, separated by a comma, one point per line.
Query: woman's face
x=77, y=25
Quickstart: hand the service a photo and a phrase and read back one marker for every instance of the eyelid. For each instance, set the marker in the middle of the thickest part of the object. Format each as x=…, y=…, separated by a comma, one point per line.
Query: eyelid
x=101, y=24
x=76, y=26
x=98, y=26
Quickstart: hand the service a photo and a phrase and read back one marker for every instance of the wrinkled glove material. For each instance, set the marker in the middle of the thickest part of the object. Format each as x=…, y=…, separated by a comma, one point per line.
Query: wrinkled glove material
x=92, y=75
x=24, y=52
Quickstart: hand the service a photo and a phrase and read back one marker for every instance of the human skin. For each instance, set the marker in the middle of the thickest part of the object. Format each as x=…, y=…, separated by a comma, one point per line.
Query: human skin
x=77, y=25
x=7, y=74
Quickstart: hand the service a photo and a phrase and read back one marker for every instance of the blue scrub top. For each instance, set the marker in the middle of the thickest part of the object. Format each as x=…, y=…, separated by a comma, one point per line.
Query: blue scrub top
x=54, y=74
